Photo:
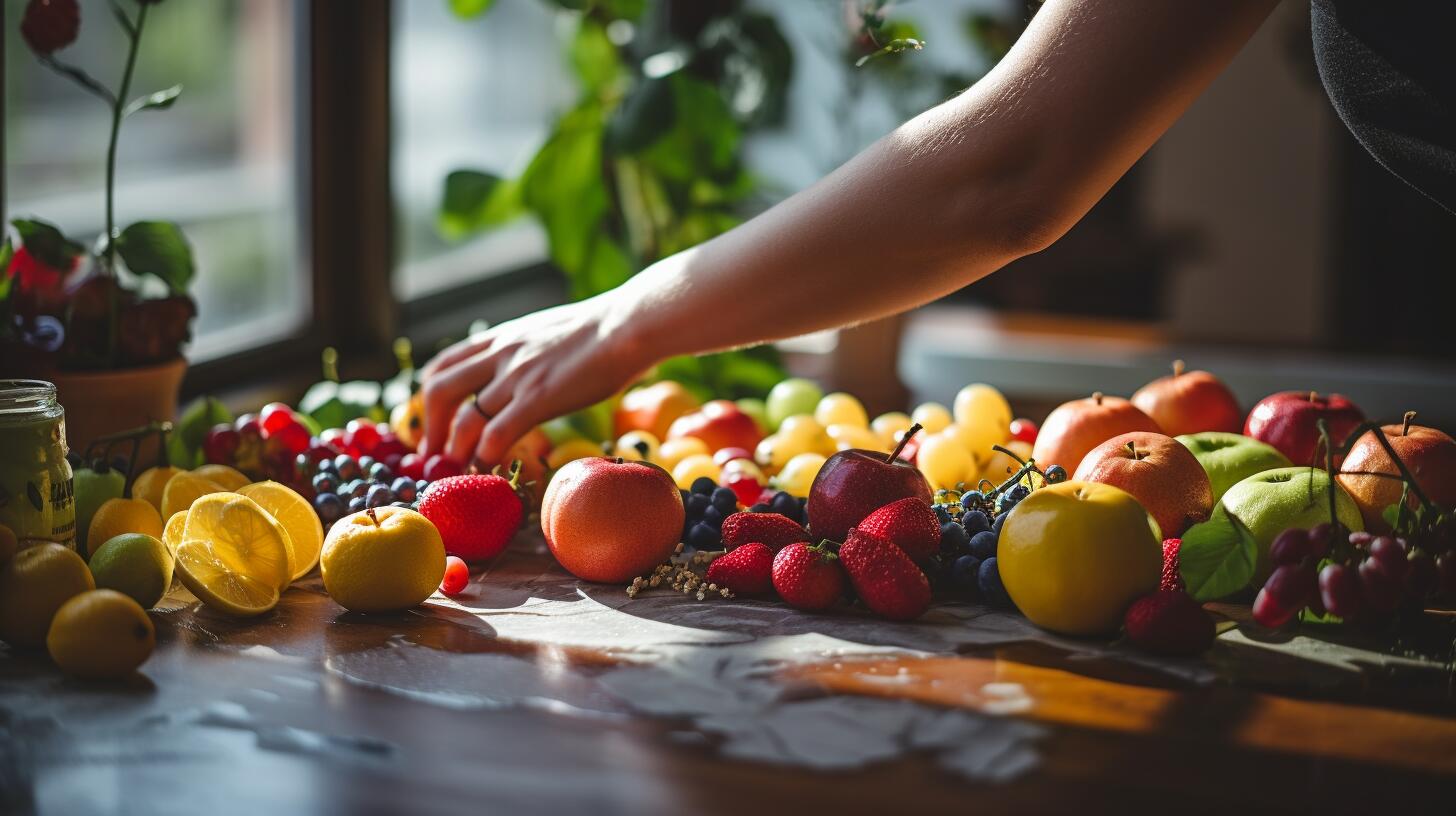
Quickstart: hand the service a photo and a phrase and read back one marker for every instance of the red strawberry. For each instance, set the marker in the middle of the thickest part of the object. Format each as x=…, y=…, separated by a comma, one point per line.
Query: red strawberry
x=884, y=577
x=808, y=577
x=476, y=514
x=747, y=570
x=909, y=523
x=1169, y=622
x=772, y=529
x=1171, y=578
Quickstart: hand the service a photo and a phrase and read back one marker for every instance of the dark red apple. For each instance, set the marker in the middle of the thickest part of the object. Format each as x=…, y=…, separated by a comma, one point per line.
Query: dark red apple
x=720, y=424
x=1077, y=427
x=1373, y=481
x=1162, y=474
x=854, y=483
x=1189, y=402
x=1289, y=421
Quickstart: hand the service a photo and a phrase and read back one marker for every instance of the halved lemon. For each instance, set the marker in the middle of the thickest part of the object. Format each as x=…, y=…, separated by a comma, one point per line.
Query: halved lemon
x=184, y=489
x=244, y=536
x=172, y=534
x=229, y=477
x=296, y=515
x=207, y=575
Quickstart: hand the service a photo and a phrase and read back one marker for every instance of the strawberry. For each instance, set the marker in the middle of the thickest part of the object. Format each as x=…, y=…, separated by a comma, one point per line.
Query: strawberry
x=476, y=514
x=884, y=577
x=1169, y=622
x=771, y=529
x=808, y=577
x=748, y=570
x=909, y=523
x=1171, y=578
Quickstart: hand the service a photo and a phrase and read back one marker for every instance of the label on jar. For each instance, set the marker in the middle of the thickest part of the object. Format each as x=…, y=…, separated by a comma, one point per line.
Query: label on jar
x=37, y=492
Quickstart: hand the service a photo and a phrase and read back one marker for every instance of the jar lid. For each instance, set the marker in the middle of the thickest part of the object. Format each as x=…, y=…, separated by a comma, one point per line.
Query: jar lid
x=19, y=397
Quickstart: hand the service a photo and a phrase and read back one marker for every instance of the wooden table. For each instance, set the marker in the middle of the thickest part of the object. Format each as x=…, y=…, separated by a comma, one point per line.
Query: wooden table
x=253, y=717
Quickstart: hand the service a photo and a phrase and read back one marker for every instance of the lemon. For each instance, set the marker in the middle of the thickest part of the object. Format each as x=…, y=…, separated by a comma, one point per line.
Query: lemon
x=228, y=477
x=296, y=515
x=382, y=560
x=245, y=536
x=204, y=572
x=101, y=635
x=184, y=489
x=136, y=565
x=8, y=545
x=33, y=586
x=120, y=516
x=151, y=483
x=172, y=533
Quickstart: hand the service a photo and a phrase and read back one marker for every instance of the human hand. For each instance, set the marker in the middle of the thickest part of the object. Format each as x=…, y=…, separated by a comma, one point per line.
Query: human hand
x=485, y=392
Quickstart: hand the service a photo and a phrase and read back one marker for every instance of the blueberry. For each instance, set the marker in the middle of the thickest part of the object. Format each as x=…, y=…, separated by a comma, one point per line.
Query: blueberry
x=953, y=537
x=355, y=505
x=327, y=466
x=685, y=494
x=975, y=521
x=761, y=508
x=998, y=524
x=378, y=496
x=328, y=506
x=972, y=499
x=400, y=504
x=325, y=483
x=989, y=580
x=784, y=504
x=420, y=485
x=365, y=463
x=359, y=489
x=964, y=574
x=704, y=486
x=725, y=500
x=942, y=514
x=346, y=467
x=983, y=544
x=696, y=504
x=1056, y=473
x=381, y=473
x=404, y=488
x=704, y=537
x=713, y=517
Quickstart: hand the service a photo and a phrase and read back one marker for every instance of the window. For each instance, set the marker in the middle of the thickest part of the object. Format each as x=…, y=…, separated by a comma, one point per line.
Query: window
x=221, y=162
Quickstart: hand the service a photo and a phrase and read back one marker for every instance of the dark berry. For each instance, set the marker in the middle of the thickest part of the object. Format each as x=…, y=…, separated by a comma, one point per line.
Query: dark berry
x=378, y=496
x=965, y=574
x=713, y=517
x=355, y=505
x=1055, y=474
x=989, y=581
x=329, y=507
x=998, y=524
x=696, y=504
x=760, y=508
x=704, y=537
x=941, y=513
x=983, y=544
x=404, y=488
x=704, y=486
x=380, y=472
x=784, y=504
x=347, y=468
x=975, y=521
x=725, y=500
x=953, y=538
x=365, y=463
x=327, y=466
x=400, y=504
x=325, y=483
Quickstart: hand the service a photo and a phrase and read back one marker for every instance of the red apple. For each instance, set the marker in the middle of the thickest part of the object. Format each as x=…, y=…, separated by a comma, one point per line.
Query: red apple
x=1373, y=481
x=720, y=424
x=1077, y=427
x=1189, y=402
x=653, y=408
x=1289, y=421
x=1162, y=474
x=854, y=483
x=610, y=520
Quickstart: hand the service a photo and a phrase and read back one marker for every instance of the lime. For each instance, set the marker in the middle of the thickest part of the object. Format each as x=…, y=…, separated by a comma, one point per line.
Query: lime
x=100, y=635
x=136, y=565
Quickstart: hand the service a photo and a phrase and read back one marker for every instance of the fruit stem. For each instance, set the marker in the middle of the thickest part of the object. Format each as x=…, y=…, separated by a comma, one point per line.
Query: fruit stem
x=372, y=516
x=1132, y=449
x=1097, y=397
x=1177, y=368
x=404, y=354
x=904, y=440
x=515, y=472
x=830, y=547
x=1405, y=423
x=331, y=364
x=1018, y=459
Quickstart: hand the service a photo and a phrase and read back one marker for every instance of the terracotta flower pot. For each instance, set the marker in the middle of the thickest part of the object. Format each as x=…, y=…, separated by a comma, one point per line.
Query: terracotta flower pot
x=98, y=403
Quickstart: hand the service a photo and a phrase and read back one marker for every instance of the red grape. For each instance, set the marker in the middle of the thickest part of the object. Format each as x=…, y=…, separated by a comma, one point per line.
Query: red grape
x=293, y=437
x=248, y=425
x=1361, y=540
x=1292, y=584
x=746, y=488
x=1024, y=430
x=1290, y=546
x=220, y=444
x=438, y=467
x=275, y=415
x=334, y=438
x=1320, y=532
x=1340, y=591
x=1380, y=588
x=1391, y=555
x=362, y=435
x=389, y=445
x=412, y=465
x=457, y=576
x=1270, y=611
x=1421, y=578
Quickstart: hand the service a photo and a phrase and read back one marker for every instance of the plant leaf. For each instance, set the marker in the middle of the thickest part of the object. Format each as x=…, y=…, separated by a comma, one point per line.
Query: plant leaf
x=594, y=57
x=470, y=8
x=475, y=200
x=564, y=187
x=158, y=248
x=895, y=46
x=1217, y=557
x=46, y=243
x=161, y=100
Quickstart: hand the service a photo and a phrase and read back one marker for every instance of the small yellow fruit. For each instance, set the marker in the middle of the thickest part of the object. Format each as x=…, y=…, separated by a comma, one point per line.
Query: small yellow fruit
x=150, y=484
x=945, y=461
x=798, y=475
x=676, y=450
x=570, y=451
x=245, y=536
x=296, y=514
x=932, y=416
x=228, y=478
x=382, y=560
x=840, y=408
x=695, y=467
x=637, y=446
x=33, y=586
x=854, y=436
x=407, y=420
x=184, y=489
x=135, y=564
x=101, y=635
x=8, y=545
x=806, y=430
x=119, y=516
x=984, y=418
x=887, y=426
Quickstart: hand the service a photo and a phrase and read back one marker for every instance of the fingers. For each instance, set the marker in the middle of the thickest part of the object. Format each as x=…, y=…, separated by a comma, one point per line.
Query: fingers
x=456, y=352
x=465, y=430
x=446, y=388
x=503, y=430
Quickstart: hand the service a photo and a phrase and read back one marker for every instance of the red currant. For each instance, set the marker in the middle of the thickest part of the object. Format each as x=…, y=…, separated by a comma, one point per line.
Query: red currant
x=746, y=488
x=457, y=576
x=1024, y=430
x=275, y=415
x=362, y=435
x=293, y=437
x=412, y=465
x=438, y=467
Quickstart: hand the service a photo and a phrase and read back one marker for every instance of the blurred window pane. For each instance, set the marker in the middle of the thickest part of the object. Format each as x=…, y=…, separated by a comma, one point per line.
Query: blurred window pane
x=468, y=93
x=221, y=162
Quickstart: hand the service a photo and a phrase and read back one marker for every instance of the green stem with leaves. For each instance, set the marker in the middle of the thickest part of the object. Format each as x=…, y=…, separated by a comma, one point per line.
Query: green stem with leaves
x=133, y=33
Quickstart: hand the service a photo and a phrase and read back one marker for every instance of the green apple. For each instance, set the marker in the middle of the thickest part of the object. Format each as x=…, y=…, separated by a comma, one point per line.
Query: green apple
x=792, y=397
x=93, y=489
x=560, y=431
x=1271, y=502
x=1229, y=458
x=758, y=409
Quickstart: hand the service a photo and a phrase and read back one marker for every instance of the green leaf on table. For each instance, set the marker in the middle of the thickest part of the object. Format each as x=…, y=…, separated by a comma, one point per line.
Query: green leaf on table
x=594, y=57
x=158, y=248
x=46, y=243
x=475, y=200
x=470, y=8
x=161, y=100
x=1217, y=557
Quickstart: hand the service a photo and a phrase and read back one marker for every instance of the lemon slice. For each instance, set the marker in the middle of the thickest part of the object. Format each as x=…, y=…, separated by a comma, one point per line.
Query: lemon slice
x=184, y=489
x=207, y=575
x=296, y=515
x=243, y=536
x=229, y=478
x=172, y=534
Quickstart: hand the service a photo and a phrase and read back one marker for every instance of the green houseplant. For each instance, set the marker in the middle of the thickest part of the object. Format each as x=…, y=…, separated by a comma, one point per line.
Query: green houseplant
x=93, y=320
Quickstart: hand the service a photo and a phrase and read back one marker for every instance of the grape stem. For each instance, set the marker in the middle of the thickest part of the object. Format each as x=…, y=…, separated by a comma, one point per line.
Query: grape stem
x=1374, y=428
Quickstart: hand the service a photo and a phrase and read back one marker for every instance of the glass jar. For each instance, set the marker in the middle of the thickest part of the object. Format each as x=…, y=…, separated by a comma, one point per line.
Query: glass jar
x=37, y=499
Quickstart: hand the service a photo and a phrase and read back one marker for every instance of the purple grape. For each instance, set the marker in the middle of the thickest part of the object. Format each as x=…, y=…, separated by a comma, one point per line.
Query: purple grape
x=1340, y=591
x=1380, y=588
x=1289, y=547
